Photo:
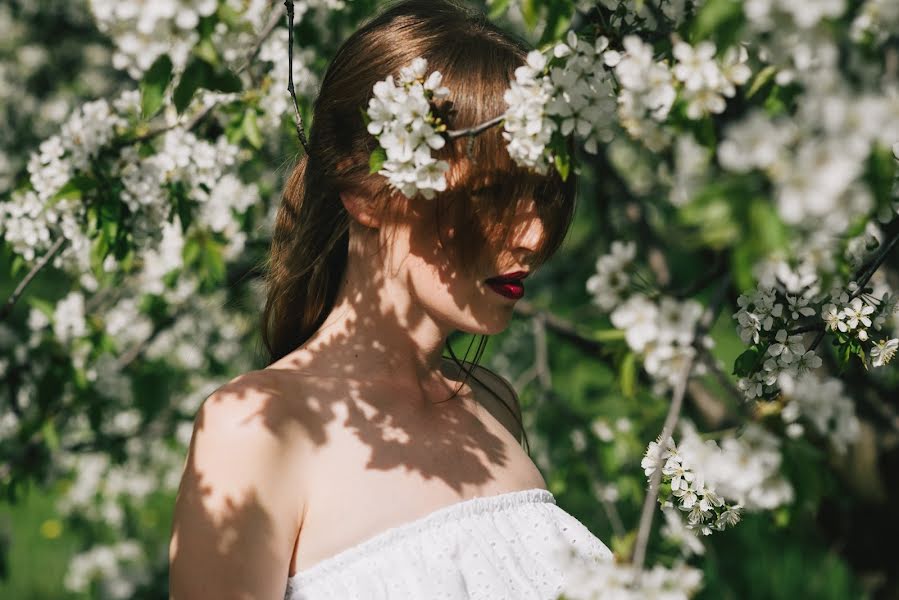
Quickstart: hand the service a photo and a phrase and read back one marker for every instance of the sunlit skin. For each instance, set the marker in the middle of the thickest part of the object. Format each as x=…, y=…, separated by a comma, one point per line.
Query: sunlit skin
x=421, y=297
x=352, y=434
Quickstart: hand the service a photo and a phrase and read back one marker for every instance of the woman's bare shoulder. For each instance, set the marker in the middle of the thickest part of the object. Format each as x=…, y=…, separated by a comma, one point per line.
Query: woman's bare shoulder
x=242, y=488
x=287, y=404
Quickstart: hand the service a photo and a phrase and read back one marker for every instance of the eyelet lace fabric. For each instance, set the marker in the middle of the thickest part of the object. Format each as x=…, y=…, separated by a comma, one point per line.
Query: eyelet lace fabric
x=512, y=546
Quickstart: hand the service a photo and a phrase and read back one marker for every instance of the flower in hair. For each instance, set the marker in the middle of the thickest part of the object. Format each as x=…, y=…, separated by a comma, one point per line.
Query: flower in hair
x=400, y=115
x=527, y=126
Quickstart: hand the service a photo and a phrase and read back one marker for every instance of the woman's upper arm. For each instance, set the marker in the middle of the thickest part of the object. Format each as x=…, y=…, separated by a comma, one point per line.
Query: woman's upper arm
x=238, y=505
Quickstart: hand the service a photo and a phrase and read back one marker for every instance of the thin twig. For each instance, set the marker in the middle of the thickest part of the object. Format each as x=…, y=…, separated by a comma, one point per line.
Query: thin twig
x=301, y=133
x=7, y=308
x=541, y=360
x=266, y=31
x=560, y=326
x=680, y=388
x=476, y=130
x=541, y=371
x=875, y=264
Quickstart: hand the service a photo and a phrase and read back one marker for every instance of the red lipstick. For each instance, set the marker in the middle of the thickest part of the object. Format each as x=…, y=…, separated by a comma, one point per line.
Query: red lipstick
x=508, y=284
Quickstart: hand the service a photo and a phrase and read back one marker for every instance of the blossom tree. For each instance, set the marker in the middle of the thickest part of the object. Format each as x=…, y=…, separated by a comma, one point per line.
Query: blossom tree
x=722, y=316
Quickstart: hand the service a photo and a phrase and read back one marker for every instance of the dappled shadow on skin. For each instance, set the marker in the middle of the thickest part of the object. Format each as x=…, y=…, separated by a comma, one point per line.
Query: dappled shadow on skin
x=218, y=536
x=373, y=450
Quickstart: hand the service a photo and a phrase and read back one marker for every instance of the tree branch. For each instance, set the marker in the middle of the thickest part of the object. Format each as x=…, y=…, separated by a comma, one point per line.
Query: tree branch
x=7, y=308
x=189, y=125
x=195, y=120
x=301, y=133
x=648, y=512
x=476, y=130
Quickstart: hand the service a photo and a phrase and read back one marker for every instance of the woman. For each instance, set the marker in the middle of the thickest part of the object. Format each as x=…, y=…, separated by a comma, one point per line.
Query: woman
x=361, y=463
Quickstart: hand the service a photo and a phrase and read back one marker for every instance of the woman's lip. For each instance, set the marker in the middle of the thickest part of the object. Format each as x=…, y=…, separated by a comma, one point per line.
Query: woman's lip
x=508, y=276
x=509, y=289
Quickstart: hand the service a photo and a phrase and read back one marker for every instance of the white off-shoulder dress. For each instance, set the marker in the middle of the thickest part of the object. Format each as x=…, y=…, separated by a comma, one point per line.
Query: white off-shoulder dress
x=511, y=546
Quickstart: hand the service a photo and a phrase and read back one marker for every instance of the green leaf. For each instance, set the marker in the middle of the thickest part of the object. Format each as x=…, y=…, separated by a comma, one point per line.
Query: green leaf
x=844, y=353
x=760, y=80
x=720, y=20
x=206, y=50
x=201, y=74
x=608, y=335
x=530, y=10
x=224, y=81
x=748, y=362
x=42, y=305
x=628, y=374
x=192, y=78
x=49, y=431
x=498, y=9
x=191, y=251
x=18, y=263
x=376, y=160
x=563, y=164
x=153, y=85
x=99, y=250
x=74, y=188
x=251, y=128
x=213, y=264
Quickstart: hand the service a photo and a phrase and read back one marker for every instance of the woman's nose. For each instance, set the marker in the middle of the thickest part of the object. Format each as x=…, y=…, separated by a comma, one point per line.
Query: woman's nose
x=528, y=231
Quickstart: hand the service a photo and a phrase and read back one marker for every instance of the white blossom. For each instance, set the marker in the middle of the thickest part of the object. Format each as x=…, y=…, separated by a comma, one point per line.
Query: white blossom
x=401, y=118
x=822, y=402
x=608, y=286
x=527, y=125
x=638, y=318
x=882, y=351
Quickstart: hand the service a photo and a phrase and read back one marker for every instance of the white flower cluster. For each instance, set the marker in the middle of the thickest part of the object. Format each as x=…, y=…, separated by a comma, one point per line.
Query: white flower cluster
x=706, y=510
x=805, y=14
x=527, y=126
x=756, y=142
x=120, y=568
x=761, y=311
x=610, y=581
x=877, y=18
x=822, y=402
x=662, y=332
x=691, y=165
x=854, y=316
x=144, y=30
x=817, y=158
x=647, y=92
x=706, y=82
x=583, y=99
x=182, y=158
x=33, y=219
x=402, y=119
x=610, y=285
x=649, y=87
x=635, y=13
x=742, y=467
x=678, y=533
x=81, y=137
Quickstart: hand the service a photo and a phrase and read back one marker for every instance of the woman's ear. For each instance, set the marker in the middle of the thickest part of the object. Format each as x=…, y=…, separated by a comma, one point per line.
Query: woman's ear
x=361, y=208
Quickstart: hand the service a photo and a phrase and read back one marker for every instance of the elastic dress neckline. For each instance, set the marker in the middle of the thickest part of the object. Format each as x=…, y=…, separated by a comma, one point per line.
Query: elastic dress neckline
x=457, y=510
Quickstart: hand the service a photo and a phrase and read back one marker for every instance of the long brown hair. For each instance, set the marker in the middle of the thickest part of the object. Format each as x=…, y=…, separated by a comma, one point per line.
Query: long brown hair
x=311, y=231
